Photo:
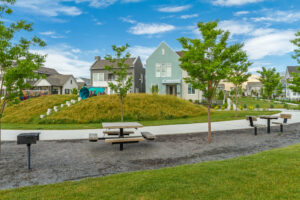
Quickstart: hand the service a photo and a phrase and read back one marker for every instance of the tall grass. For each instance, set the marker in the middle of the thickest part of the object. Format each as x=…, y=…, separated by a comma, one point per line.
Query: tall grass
x=136, y=107
x=29, y=110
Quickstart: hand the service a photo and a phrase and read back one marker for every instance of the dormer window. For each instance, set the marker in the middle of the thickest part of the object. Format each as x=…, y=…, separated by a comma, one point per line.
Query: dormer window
x=162, y=51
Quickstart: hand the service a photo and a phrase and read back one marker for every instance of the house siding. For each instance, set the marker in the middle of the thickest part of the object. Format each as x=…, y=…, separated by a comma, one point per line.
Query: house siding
x=69, y=85
x=176, y=73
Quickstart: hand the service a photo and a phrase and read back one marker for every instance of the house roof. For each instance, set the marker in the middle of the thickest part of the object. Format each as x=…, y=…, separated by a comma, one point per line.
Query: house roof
x=101, y=63
x=46, y=71
x=58, y=79
x=293, y=69
x=180, y=53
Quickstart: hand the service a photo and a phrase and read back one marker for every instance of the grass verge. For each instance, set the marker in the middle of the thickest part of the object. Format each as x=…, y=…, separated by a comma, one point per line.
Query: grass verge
x=271, y=174
x=215, y=116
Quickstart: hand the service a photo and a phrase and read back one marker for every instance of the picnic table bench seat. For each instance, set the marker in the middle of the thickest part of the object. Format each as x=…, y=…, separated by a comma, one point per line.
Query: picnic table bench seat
x=285, y=117
x=124, y=140
x=148, y=135
x=251, y=119
x=117, y=132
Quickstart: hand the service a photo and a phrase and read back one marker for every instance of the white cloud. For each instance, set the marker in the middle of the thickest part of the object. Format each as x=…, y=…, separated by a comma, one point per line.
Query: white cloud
x=236, y=27
x=98, y=3
x=170, y=9
x=47, y=33
x=49, y=8
x=131, y=1
x=239, y=13
x=63, y=58
x=188, y=16
x=150, y=29
x=276, y=43
x=142, y=51
x=279, y=16
x=234, y=2
x=128, y=20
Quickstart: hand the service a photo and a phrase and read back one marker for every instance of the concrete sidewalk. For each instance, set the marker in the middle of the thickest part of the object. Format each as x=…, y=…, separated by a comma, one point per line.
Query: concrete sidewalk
x=11, y=135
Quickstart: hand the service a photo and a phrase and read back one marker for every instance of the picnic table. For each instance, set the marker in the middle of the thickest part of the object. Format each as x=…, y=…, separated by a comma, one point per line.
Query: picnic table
x=122, y=126
x=268, y=118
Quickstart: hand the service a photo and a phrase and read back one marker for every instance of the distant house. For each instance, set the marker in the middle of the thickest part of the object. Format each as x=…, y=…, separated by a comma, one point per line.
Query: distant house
x=43, y=71
x=83, y=82
x=163, y=70
x=289, y=94
x=253, y=88
x=100, y=77
x=57, y=84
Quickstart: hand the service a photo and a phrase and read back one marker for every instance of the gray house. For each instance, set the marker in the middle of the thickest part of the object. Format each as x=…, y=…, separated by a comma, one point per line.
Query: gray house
x=288, y=76
x=100, y=77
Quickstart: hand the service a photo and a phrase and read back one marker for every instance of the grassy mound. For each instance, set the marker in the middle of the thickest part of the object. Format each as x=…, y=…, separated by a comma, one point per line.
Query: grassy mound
x=137, y=107
x=271, y=174
x=30, y=110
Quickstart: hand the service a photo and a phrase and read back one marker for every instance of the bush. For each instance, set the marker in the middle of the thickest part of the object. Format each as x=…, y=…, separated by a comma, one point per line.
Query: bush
x=221, y=95
x=217, y=107
x=74, y=91
x=190, y=100
x=286, y=106
x=241, y=107
x=245, y=106
x=231, y=107
x=257, y=106
x=251, y=108
x=154, y=89
x=272, y=106
x=223, y=108
x=197, y=102
x=225, y=105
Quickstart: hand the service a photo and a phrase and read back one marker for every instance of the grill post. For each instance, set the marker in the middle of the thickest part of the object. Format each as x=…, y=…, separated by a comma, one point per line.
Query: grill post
x=28, y=156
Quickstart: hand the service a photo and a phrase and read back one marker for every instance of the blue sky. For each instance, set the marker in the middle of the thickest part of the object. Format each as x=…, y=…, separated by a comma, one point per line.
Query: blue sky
x=78, y=30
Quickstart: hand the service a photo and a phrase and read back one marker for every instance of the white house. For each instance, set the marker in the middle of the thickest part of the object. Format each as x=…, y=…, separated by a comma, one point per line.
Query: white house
x=57, y=84
x=288, y=76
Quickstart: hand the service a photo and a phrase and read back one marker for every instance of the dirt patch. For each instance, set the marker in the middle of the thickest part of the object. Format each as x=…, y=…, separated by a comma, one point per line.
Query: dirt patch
x=57, y=161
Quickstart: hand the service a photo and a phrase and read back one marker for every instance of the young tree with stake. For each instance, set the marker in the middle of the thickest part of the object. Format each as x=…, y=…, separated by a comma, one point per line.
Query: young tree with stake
x=270, y=80
x=208, y=61
x=239, y=73
x=17, y=62
x=120, y=70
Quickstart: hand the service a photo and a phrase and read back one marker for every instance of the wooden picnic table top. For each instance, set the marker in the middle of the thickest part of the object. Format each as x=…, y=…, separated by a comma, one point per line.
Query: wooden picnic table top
x=114, y=125
x=269, y=117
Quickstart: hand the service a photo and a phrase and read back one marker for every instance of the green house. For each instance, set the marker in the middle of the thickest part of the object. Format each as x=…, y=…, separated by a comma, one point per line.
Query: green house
x=163, y=70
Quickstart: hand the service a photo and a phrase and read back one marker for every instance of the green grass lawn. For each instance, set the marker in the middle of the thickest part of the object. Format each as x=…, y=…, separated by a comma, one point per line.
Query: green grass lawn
x=262, y=103
x=268, y=175
x=216, y=116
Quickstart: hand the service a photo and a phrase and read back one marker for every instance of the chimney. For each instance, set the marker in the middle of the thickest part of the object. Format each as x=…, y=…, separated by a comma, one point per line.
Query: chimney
x=97, y=58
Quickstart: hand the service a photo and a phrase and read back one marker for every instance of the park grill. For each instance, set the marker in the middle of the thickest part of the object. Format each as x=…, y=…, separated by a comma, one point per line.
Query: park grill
x=28, y=139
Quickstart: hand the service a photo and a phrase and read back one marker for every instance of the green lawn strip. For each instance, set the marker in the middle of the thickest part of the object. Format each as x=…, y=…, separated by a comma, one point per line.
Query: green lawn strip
x=216, y=116
x=271, y=174
x=262, y=103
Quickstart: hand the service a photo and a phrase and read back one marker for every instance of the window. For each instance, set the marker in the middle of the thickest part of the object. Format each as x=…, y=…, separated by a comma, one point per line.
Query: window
x=191, y=90
x=98, y=76
x=162, y=51
x=163, y=70
x=71, y=81
x=110, y=77
x=67, y=91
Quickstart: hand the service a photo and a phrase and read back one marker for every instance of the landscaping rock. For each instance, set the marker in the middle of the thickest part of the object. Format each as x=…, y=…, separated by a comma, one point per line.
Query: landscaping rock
x=42, y=116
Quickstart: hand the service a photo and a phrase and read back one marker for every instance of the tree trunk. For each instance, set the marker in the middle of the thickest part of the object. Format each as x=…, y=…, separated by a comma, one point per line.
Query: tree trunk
x=1, y=114
x=121, y=98
x=236, y=101
x=269, y=102
x=209, y=123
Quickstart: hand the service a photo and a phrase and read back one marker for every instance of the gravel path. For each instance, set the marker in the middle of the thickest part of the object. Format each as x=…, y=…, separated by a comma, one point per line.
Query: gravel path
x=57, y=161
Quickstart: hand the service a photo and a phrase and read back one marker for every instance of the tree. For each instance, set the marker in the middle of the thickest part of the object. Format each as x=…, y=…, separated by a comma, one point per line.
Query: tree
x=238, y=74
x=207, y=61
x=120, y=69
x=270, y=80
x=17, y=62
x=295, y=81
x=154, y=89
x=74, y=91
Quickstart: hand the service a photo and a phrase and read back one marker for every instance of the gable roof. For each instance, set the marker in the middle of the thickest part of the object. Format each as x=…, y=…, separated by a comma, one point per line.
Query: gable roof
x=101, y=63
x=180, y=53
x=58, y=79
x=46, y=71
x=161, y=44
x=293, y=69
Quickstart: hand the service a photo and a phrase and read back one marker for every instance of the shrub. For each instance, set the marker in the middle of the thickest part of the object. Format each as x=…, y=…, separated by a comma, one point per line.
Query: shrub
x=190, y=100
x=221, y=95
x=225, y=105
x=257, y=106
x=241, y=107
x=286, y=106
x=245, y=106
x=74, y=91
x=217, y=107
x=231, y=107
x=154, y=89
x=251, y=108
x=272, y=106
x=197, y=102
x=223, y=108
